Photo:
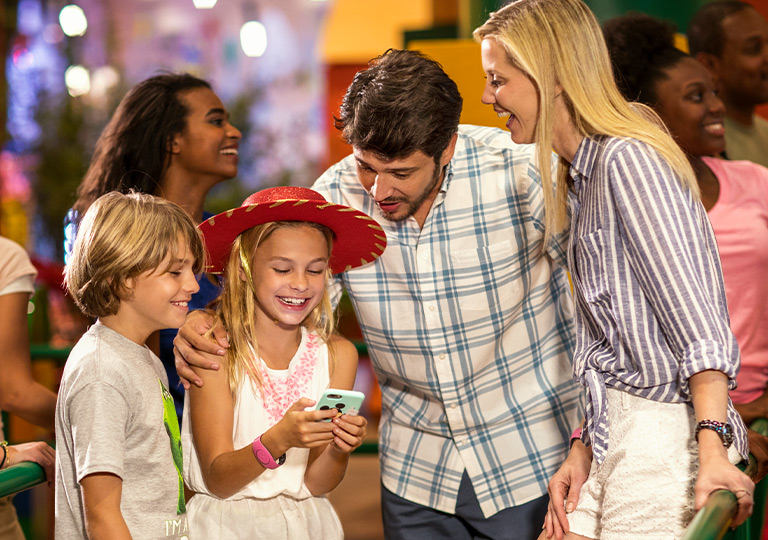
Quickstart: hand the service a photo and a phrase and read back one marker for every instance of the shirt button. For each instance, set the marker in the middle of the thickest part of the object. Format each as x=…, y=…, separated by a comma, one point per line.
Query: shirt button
x=441, y=357
x=432, y=308
x=454, y=405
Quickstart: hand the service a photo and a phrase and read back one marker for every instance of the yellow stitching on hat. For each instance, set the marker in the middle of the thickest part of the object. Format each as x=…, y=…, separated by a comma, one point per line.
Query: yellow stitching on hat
x=251, y=207
x=211, y=221
x=375, y=227
x=324, y=206
x=381, y=249
x=300, y=201
x=230, y=212
x=363, y=216
x=363, y=261
x=277, y=203
x=347, y=209
x=382, y=238
x=349, y=267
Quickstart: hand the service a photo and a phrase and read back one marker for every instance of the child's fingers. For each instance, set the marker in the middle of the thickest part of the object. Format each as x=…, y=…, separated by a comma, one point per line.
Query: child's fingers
x=356, y=426
x=346, y=440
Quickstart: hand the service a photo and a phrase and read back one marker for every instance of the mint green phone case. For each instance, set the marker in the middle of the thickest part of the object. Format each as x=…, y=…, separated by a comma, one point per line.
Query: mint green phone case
x=346, y=401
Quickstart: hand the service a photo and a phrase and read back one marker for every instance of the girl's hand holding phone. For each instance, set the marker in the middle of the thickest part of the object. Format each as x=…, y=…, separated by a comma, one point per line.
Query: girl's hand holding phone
x=349, y=432
x=300, y=428
x=349, y=429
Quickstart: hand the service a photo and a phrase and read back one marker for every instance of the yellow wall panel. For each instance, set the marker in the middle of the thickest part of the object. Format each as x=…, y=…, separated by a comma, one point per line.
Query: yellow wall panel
x=357, y=30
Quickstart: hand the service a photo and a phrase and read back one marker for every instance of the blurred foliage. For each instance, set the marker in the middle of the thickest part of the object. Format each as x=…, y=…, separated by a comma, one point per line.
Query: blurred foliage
x=69, y=130
x=8, y=9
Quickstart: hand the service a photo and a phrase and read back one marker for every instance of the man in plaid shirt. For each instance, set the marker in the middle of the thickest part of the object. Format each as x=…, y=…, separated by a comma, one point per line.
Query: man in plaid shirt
x=467, y=314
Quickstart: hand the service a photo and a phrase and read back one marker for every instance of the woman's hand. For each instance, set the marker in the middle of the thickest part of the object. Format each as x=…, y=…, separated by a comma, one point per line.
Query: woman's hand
x=717, y=472
x=566, y=482
x=758, y=447
x=37, y=452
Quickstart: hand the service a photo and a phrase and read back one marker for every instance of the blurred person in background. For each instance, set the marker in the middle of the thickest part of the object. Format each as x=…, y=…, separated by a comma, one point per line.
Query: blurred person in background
x=649, y=69
x=170, y=137
x=730, y=38
x=20, y=394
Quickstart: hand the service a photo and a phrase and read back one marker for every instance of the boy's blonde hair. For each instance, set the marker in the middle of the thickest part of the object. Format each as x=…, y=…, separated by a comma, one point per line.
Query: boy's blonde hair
x=560, y=42
x=236, y=307
x=120, y=237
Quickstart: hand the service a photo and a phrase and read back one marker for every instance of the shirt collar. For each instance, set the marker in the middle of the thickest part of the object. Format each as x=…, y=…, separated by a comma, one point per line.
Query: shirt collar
x=584, y=161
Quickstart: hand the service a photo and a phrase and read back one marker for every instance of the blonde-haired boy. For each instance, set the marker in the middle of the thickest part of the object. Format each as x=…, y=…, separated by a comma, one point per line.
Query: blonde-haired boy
x=117, y=436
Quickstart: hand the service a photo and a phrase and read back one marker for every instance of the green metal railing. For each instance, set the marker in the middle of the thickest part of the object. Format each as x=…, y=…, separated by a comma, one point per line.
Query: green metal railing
x=20, y=477
x=712, y=522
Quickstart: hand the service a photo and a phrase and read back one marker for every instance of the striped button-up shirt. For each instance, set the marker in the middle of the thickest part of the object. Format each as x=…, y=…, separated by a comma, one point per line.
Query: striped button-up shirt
x=468, y=322
x=650, y=302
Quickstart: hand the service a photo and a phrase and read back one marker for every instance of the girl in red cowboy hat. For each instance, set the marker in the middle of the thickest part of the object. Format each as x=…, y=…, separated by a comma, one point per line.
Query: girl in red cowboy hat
x=256, y=453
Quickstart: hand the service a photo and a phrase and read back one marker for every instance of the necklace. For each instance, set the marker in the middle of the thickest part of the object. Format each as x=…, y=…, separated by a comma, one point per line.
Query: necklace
x=279, y=393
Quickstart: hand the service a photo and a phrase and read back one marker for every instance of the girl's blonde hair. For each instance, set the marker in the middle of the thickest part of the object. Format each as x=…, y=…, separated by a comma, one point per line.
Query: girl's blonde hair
x=236, y=306
x=560, y=42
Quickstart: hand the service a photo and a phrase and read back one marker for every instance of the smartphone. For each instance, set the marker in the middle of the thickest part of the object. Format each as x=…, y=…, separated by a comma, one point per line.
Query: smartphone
x=345, y=401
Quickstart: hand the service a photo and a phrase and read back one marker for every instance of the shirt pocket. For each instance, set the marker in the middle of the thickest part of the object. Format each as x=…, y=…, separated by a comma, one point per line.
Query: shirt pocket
x=591, y=265
x=485, y=277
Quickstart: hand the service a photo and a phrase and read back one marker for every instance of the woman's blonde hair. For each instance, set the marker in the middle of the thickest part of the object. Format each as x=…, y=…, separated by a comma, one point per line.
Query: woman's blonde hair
x=236, y=307
x=120, y=237
x=560, y=42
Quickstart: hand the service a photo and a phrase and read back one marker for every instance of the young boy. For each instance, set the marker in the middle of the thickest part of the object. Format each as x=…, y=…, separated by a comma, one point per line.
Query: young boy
x=118, y=466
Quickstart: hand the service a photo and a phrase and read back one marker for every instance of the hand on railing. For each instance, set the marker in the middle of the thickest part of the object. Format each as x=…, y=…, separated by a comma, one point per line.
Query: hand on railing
x=714, y=519
x=758, y=448
x=36, y=452
x=23, y=476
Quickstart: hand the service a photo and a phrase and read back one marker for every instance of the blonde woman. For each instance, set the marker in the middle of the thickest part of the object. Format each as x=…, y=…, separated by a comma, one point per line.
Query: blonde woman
x=653, y=346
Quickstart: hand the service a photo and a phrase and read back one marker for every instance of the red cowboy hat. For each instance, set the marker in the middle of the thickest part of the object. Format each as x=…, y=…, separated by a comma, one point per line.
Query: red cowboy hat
x=358, y=239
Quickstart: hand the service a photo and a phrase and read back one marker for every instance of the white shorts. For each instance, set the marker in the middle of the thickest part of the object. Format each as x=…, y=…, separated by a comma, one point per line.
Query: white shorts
x=644, y=487
x=278, y=518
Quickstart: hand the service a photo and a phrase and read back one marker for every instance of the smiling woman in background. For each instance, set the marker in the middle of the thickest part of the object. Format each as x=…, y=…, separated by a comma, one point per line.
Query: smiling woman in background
x=170, y=137
x=734, y=193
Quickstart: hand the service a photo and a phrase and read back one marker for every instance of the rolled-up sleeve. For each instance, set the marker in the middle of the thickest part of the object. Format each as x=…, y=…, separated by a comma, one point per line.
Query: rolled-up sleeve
x=671, y=249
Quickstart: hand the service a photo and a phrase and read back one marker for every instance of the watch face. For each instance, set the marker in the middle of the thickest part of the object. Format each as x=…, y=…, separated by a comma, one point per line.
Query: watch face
x=281, y=460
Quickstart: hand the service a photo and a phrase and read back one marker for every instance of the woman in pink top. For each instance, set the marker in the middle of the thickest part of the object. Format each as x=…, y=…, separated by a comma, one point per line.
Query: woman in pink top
x=649, y=69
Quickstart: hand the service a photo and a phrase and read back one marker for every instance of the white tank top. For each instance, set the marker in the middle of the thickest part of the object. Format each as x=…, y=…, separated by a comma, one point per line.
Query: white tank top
x=307, y=376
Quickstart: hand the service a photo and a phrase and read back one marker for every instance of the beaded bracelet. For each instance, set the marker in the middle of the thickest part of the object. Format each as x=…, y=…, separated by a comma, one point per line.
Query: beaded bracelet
x=723, y=429
x=3, y=445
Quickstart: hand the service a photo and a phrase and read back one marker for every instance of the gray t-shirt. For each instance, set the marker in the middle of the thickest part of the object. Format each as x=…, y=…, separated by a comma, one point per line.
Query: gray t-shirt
x=747, y=142
x=115, y=415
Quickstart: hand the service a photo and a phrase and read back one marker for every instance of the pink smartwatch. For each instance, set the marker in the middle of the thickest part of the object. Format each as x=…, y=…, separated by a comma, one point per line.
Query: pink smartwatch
x=264, y=457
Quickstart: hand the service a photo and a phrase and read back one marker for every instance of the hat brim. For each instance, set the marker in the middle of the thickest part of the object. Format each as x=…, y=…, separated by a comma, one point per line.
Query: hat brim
x=358, y=238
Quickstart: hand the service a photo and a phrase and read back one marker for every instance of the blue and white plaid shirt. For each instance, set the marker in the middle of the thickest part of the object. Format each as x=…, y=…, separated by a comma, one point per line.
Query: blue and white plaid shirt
x=469, y=326
x=651, y=309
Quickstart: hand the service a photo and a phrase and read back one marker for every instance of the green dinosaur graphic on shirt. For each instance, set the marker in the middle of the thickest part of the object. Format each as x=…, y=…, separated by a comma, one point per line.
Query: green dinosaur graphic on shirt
x=171, y=423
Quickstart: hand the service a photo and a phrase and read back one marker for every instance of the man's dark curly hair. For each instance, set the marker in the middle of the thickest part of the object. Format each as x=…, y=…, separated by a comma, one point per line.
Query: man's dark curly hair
x=403, y=102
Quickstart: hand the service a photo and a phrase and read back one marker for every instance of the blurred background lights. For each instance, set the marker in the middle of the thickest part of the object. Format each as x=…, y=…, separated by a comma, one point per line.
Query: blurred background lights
x=253, y=38
x=204, y=4
x=72, y=20
x=78, y=81
x=104, y=79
